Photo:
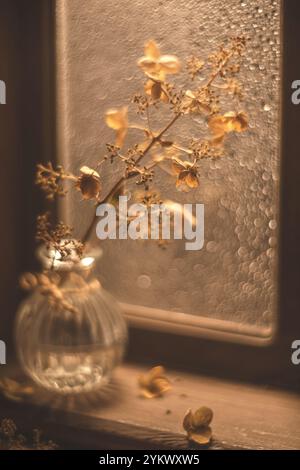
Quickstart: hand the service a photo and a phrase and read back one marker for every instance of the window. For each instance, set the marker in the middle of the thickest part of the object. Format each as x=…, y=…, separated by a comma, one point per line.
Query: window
x=230, y=285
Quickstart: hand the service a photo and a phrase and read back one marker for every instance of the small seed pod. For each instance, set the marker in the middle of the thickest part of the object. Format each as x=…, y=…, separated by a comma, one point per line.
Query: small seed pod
x=89, y=183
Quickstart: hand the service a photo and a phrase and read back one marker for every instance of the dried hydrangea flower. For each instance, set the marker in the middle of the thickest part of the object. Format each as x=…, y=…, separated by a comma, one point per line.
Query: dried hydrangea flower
x=201, y=101
x=187, y=172
x=89, y=183
x=187, y=175
x=117, y=119
x=154, y=384
x=155, y=65
x=197, y=425
x=222, y=124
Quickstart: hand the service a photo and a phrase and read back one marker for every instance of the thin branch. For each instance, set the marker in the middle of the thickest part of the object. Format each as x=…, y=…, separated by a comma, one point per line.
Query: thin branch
x=148, y=120
x=219, y=69
x=119, y=183
x=182, y=149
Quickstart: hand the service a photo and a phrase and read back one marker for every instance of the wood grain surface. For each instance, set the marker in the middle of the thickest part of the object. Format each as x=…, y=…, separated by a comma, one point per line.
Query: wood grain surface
x=245, y=417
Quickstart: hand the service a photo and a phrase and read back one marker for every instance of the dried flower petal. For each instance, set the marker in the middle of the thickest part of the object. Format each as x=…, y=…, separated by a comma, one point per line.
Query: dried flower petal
x=188, y=421
x=237, y=122
x=229, y=122
x=157, y=388
x=89, y=171
x=187, y=175
x=202, y=417
x=148, y=65
x=217, y=124
x=156, y=91
x=202, y=437
x=152, y=50
x=117, y=119
x=217, y=141
x=169, y=64
x=155, y=65
x=191, y=180
x=197, y=425
x=178, y=165
x=154, y=384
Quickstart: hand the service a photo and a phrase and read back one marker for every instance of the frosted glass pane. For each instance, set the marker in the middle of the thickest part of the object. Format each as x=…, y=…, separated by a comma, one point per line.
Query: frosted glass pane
x=233, y=278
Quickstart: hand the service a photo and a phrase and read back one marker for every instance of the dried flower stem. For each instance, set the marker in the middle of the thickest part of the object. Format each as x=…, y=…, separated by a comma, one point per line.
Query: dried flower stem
x=119, y=183
x=219, y=70
x=202, y=100
x=153, y=141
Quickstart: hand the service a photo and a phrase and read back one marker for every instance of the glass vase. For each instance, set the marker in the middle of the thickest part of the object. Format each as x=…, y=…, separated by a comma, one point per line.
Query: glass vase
x=71, y=340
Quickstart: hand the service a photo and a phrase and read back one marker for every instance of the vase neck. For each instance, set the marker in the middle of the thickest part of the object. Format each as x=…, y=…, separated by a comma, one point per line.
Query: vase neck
x=52, y=260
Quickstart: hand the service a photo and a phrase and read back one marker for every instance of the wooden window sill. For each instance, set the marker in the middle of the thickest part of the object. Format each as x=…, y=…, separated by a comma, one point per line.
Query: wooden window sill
x=245, y=417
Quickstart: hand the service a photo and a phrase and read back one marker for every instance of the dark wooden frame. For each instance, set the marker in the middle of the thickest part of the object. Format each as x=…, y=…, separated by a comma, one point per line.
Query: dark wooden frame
x=27, y=135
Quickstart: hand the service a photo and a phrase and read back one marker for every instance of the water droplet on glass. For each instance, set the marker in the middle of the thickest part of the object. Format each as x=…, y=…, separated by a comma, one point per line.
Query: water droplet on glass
x=144, y=281
x=211, y=247
x=272, y=224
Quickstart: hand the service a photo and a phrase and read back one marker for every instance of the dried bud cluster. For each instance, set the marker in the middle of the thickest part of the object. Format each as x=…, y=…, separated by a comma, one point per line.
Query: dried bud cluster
x=57, y=238
x=10, y=439
x=50, y=180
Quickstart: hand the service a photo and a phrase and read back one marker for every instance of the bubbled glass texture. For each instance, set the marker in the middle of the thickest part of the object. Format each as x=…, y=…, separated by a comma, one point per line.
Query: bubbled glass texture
x=234, y=276
x=71, y=352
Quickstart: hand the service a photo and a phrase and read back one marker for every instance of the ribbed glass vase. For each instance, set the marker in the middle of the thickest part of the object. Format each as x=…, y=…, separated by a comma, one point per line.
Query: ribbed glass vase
x=72, y=345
